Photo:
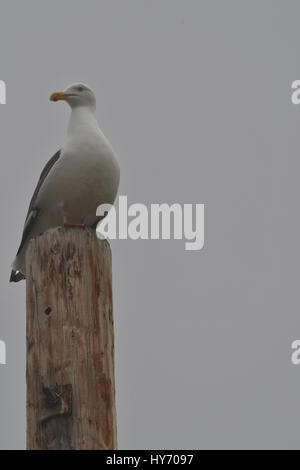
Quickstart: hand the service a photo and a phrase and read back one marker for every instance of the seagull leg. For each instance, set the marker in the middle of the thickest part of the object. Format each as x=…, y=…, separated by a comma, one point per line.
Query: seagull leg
x=64, y=218
x=66, y=224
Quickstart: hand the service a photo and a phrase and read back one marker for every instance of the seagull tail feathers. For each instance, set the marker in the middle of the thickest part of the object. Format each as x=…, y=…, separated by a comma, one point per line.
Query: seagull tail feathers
x=16, y=276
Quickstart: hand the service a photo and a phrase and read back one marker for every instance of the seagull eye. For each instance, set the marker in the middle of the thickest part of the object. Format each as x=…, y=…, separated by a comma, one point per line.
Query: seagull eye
x=80, y=88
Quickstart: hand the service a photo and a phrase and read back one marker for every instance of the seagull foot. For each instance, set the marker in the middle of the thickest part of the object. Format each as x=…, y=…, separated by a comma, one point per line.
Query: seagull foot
x=66, y=224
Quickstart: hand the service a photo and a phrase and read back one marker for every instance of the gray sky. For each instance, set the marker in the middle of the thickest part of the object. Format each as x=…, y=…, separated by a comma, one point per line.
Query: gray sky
x=195, y=98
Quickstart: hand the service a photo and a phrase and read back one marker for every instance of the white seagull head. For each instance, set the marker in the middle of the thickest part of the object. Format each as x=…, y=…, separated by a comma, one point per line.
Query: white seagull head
x=75, y=95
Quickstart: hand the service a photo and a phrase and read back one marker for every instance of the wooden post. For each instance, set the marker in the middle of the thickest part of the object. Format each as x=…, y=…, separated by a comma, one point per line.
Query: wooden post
x=70, y=342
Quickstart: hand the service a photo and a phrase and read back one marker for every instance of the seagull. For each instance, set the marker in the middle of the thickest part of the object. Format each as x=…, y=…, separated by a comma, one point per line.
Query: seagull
x=76, y=180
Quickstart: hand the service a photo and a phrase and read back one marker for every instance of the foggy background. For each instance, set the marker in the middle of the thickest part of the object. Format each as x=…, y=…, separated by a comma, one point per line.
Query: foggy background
x=195, y=97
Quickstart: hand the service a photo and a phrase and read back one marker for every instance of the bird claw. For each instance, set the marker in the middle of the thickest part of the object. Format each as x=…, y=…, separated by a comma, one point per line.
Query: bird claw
x=66, y=224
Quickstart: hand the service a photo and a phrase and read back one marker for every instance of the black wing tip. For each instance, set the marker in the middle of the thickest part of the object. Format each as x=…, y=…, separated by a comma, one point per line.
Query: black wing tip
x=16, y=276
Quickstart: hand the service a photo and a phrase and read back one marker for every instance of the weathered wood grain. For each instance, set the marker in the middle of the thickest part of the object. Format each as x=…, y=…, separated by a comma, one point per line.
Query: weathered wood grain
x=70, y=342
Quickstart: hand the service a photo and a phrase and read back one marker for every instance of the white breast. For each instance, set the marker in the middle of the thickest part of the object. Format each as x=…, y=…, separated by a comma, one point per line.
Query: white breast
x=85, y=176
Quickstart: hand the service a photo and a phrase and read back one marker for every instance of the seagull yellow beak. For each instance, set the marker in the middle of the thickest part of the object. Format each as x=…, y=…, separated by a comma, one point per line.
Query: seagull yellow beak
x=59, y=95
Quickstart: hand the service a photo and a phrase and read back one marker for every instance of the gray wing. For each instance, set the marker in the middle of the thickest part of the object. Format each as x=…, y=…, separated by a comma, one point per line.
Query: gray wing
x=33, y=210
